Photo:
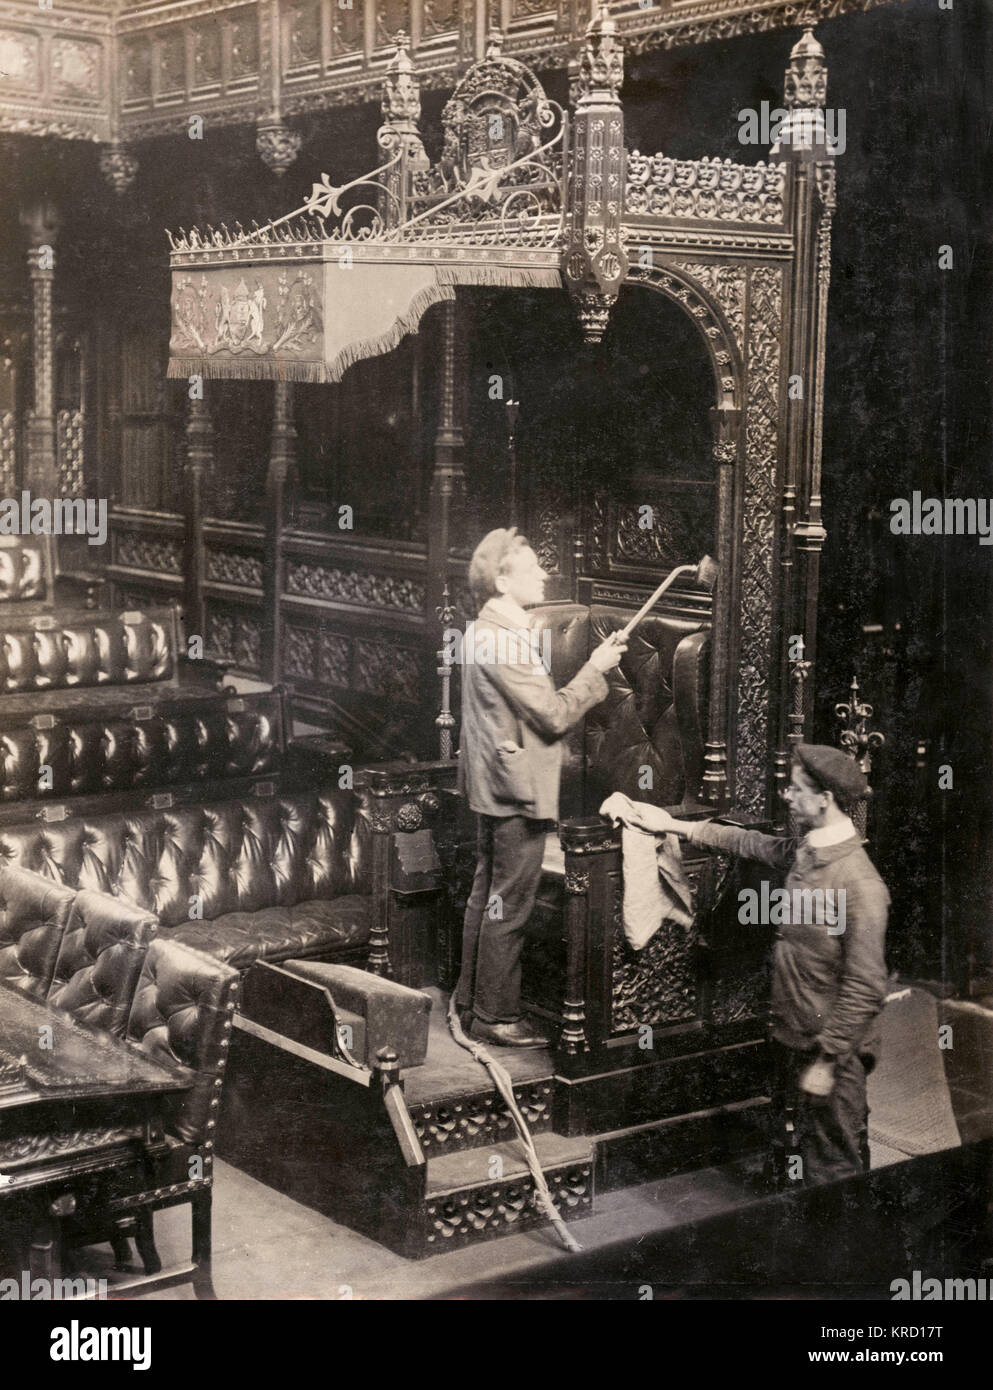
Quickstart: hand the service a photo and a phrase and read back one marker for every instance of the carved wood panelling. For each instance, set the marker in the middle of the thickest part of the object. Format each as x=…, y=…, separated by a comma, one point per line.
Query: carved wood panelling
x=300, y=652
x=158, y=554
x=69, y=441
x=206, y=55
x=353, y=586
x=8, y=453
x=758, y=527
x=234, y=637
x=704, y=188
x=234, y=567
x=334, y=658
x=682, y=528
x=658, y=984
x=387, y=670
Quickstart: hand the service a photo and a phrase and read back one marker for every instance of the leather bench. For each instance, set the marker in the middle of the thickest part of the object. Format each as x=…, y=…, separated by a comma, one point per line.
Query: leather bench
x=126, y=655
x=272, y=878
x=84, y=749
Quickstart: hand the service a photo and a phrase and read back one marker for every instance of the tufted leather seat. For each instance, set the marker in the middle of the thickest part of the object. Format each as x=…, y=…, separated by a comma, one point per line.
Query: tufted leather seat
x=65, y=651
x=34, y=913
x=181, y=1016
x=99, y=961
x=243, y=879
x=182, y=1012
x=654, y=715
x=91, y=750
x=25, y=570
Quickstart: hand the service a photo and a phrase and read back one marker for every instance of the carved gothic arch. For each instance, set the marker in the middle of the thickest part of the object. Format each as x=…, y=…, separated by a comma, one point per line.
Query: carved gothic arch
x=704, y=311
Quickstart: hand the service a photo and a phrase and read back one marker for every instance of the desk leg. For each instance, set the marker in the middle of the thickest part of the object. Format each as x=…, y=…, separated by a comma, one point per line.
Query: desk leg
x=144, y=1239
x=201, y=1205
x=45, y=1253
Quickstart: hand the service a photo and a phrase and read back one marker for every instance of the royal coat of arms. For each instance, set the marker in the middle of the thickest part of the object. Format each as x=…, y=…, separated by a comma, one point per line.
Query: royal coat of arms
x=239, y=319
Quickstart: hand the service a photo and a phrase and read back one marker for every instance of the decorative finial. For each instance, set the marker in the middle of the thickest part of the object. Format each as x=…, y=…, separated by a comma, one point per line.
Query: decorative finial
x=277, y=145
x=494, y=43
x=806, y=75
x=601, y=63
x=401, y=90
x=118, y=167
x=804, y=134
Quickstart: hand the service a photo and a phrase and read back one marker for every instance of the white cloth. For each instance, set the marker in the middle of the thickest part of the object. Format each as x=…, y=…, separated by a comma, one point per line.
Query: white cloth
x=655, y=886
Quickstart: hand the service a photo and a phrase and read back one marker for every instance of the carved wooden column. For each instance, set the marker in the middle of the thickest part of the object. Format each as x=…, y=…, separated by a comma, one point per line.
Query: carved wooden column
x=381, y=820
x=726, y=422
x=804, y=149
x=594, y=261
x=447, y=482
x=199, y=458
x=573, y=1040
x=282, y=456
x=42, y=470
x=399, y=133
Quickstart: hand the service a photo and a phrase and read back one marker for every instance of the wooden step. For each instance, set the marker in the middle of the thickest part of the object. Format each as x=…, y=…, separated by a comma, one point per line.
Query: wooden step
x=471, y=1197
x=479, y=1119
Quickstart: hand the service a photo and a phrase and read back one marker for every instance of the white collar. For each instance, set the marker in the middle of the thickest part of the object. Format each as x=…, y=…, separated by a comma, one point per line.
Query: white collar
x=823, y=835
x=510, y=611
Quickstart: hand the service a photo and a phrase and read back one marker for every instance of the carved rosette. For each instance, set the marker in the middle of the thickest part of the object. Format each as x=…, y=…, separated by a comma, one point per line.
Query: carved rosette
x=409, y=817
x=594, y=261
x=277, y=145
x=577, y=881
x=118, y=167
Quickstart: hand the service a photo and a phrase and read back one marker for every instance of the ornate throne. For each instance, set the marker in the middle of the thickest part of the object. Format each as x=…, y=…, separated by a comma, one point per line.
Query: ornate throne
x=555, y=202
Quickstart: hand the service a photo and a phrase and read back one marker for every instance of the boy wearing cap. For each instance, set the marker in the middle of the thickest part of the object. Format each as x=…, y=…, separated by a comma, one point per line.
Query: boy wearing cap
x=828, y=985
x=513, y=720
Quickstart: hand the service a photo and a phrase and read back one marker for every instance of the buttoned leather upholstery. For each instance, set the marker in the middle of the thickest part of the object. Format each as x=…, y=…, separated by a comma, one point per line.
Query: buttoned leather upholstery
x=88, y=752
x=25, y=569
x=66, y=651
x=271, y=878
x=99, y=960
x=182, y=1012
x=34, y=913
x=654, y=715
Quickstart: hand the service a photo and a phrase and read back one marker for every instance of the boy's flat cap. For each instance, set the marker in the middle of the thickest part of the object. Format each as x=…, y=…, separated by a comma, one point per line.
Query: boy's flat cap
x=833, y=770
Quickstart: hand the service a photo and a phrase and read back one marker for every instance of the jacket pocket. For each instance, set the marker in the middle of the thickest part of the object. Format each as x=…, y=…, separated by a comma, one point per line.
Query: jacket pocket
x=513, y=778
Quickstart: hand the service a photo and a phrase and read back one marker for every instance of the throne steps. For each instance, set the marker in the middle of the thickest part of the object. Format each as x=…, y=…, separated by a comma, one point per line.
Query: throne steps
x=481, y=1193
x=479, y=1119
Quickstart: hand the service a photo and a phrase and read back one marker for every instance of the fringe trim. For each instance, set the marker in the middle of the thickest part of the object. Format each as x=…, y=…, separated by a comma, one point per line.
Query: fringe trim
x=386, y=342
x=502, y=276
x=247, y=369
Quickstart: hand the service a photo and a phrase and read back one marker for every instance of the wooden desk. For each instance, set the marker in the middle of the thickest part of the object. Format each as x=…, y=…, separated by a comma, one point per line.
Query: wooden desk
x=76, y=1106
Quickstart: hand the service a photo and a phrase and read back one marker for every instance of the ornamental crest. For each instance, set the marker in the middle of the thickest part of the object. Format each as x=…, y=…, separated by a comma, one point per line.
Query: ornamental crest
x=189, y=315
x=298, y=316
x=239, y=319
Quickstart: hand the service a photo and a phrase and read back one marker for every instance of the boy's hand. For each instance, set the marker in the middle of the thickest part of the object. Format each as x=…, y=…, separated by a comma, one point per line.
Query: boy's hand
x=818, y=1079
x=609, y=653
x=638, y=814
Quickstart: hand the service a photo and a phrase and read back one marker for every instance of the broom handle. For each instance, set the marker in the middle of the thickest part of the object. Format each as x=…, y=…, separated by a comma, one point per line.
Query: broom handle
x=650, y=603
